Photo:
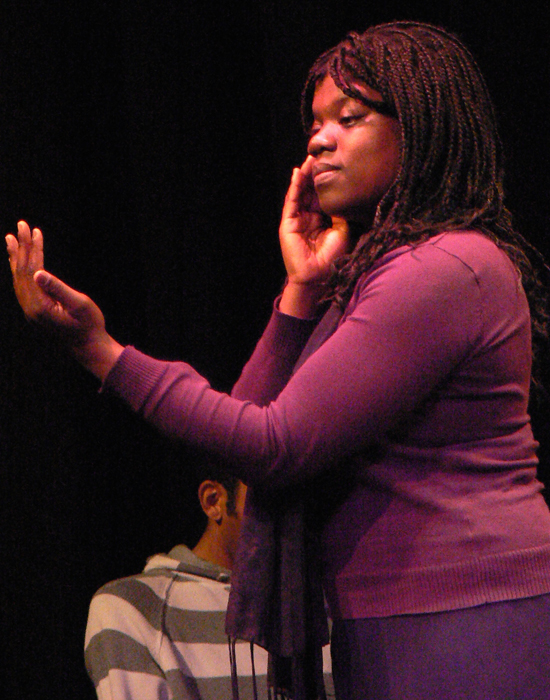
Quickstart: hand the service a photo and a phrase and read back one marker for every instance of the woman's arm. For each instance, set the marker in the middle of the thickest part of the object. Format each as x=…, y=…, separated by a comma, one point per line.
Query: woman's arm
x=267, y=372
x=309, y=246
x=74, y=320
x=412, y=323
x=416, y=318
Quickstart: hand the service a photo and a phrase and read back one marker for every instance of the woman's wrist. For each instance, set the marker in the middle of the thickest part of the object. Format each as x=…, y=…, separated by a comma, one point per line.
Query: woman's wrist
x=98, y=356
x=301, y=299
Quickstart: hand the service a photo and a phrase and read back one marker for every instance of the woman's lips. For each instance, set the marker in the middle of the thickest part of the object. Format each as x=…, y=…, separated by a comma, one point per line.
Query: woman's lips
x=323, y=172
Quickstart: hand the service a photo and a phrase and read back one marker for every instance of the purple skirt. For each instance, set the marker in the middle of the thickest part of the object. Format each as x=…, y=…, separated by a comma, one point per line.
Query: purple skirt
x=498, y=651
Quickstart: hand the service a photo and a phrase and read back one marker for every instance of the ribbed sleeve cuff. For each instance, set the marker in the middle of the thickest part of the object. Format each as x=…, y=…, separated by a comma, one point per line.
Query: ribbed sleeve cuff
x=133, y=377
x=285, y=336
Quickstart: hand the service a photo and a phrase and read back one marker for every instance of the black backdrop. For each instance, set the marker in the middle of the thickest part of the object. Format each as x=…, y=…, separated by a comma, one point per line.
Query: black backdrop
x=153, y=143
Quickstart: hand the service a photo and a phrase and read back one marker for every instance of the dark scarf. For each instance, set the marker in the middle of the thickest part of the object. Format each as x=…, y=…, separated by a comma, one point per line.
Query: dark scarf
x=276, y=598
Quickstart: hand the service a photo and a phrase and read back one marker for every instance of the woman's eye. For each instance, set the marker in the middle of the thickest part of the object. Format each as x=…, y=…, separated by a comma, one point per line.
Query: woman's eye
x=350, y=119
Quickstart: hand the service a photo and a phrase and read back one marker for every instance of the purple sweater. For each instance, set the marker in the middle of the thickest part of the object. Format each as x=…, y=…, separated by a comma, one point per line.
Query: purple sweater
x=418, y=403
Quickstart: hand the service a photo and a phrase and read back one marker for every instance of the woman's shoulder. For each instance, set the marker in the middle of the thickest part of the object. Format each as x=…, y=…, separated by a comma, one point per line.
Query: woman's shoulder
x=470, y=246
x=465, y=261
x=468, y=252
x=489, y=265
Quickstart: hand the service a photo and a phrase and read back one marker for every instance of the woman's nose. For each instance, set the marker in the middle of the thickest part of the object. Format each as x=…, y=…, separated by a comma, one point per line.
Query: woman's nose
x=322, y=140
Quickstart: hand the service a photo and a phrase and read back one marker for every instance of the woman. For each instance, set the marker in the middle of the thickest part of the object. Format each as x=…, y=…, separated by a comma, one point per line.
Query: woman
x=407, y=401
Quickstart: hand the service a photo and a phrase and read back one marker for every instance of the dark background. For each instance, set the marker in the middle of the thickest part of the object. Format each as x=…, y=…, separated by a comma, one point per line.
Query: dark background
x=153, y=140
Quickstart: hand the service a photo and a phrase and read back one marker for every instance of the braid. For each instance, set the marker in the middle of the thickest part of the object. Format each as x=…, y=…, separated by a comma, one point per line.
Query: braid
x=451, y=174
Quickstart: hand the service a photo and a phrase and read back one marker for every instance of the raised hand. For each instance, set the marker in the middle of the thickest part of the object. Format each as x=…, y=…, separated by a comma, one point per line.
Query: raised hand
x=71, y=317
x=310, y=242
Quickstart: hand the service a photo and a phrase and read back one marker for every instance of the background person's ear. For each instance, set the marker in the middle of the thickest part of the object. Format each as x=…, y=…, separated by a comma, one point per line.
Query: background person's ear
x=213, y=500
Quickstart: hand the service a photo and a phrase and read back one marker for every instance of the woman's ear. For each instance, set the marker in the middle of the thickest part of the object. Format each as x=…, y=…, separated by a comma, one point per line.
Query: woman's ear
x=213, y=500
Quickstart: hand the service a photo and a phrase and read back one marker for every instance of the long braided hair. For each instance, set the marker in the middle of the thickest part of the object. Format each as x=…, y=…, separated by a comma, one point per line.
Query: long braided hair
x=451, y=174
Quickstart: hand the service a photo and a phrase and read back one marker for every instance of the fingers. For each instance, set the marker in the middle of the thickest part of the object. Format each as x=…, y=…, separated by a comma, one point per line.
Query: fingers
x=24, y=238
x=293, y=194
x=26, y=255
x=300, y=192
x=306, y=167
x=26, y=250
x=304, y=178
x=36, y=251
x=13, y=246
x=340, y=224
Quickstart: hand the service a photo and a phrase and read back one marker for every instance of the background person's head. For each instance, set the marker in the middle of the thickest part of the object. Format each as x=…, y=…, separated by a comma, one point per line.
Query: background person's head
x=221, y=497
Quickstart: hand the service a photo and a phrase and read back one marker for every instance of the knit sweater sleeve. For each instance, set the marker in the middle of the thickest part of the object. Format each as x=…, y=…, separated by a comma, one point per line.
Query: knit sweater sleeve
x=267, y=372
x=414, y=318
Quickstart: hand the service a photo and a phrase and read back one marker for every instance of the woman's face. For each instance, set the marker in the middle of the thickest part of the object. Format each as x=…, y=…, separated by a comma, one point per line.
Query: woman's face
x=356, y=151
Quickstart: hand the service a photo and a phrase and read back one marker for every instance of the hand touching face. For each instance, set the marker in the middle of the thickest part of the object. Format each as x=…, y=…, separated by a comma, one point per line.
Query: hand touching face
x=356, y=153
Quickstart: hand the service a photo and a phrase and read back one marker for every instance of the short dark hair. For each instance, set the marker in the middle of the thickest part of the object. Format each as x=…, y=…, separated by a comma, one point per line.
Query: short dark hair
x=212, y=468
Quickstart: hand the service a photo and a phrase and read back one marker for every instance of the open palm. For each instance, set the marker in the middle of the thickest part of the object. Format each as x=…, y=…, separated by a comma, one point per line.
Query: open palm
x=70, y=316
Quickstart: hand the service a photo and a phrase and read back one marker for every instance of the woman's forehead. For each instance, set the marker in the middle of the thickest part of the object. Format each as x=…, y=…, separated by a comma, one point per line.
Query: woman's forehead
x=326, y=88
x=327, y=95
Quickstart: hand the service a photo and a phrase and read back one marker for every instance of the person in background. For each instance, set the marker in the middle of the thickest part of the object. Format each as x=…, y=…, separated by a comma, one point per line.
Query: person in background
x=160, y=634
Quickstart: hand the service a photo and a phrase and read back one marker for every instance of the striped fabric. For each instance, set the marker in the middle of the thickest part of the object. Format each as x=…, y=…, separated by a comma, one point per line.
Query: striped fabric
x=160, y=635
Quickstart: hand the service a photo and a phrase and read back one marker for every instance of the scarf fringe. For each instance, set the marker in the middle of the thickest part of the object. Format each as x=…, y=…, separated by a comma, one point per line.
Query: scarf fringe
x=287, y=678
